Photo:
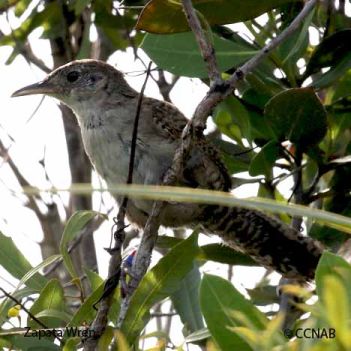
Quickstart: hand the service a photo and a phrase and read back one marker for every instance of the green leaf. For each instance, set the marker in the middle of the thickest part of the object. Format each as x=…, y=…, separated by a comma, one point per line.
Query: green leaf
x=114, y=26
x=5, y=344
x=105, y=340
x=330, y=52
x=180, y=55
x=342, y=90
x=31, y=343
x=94, y=279
x=50, y=19
x=224, y=254
x=13, y=261
x=80, y=5
x=54, y=314
x=335, y=72
x=36, y=269
x=186, y=301
x=298, y=42
x=337, y=305
x=263, y=295
x=160, y=282
x=198, y=335
x=297, y=115
x=231, y=117
x=73, y=227
x=219, y=301
x=165, y=16
x=51, y=298
x=86, y=311
x=71, y=344
x=331, y=264
x=6, y=4
x=27, y=277
x=236, y=157
x=85, y=45
x=167, y=242
x=264, y=160
x=21, y=6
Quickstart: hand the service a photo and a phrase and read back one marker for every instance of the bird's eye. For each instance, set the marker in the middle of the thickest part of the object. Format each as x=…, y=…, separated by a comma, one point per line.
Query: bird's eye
x=72, y=76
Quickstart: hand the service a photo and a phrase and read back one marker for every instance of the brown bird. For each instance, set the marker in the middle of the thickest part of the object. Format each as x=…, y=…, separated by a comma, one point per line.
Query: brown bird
x=105, y=108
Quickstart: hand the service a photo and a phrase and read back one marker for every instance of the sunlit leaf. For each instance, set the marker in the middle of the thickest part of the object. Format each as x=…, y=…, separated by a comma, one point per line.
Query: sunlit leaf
x=337, y=306
x=219, y=302
x=48, y=261
x=86, y=311
x=54, y=314
x=183, y=194
x=331, y=264
x=199, y=335
x=21, y=6
x=51, y=298
x=73, y=227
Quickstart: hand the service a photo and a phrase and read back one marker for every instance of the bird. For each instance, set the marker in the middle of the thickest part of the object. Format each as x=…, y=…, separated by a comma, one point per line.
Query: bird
x=105, y=107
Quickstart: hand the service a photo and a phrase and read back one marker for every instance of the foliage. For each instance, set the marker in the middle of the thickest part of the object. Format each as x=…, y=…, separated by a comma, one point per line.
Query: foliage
x=289, y=119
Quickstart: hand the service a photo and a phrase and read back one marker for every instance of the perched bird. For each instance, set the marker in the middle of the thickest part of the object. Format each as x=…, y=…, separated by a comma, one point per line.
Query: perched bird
x=105, y=107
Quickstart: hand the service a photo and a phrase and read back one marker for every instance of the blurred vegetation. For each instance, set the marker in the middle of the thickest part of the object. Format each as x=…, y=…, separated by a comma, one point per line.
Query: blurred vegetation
x=290, y=120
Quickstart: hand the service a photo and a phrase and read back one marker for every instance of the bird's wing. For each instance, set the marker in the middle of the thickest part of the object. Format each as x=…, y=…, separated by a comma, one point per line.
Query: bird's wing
x=204, y=168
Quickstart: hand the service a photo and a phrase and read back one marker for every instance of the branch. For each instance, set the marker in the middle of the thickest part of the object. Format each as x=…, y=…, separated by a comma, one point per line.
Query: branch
x=206, y=48
x=30, y=57
x=163, y=86
x=21, y=180
x=142, y=260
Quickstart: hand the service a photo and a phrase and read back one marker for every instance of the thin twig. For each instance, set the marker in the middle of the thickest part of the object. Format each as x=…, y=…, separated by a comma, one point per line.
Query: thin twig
x=163, y=86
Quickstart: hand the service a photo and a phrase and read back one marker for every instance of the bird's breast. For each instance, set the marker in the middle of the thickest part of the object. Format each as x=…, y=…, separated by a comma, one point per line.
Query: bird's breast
x=109, y=152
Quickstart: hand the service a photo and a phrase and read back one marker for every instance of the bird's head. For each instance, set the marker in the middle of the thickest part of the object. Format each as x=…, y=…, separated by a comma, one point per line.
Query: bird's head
x=77, y=82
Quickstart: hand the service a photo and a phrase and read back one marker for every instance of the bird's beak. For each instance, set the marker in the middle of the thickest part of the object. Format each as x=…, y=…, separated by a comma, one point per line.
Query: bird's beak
x=43, y=87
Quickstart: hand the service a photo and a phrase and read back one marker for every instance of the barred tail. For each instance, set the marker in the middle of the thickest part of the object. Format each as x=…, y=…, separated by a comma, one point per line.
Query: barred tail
x=267, y=240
